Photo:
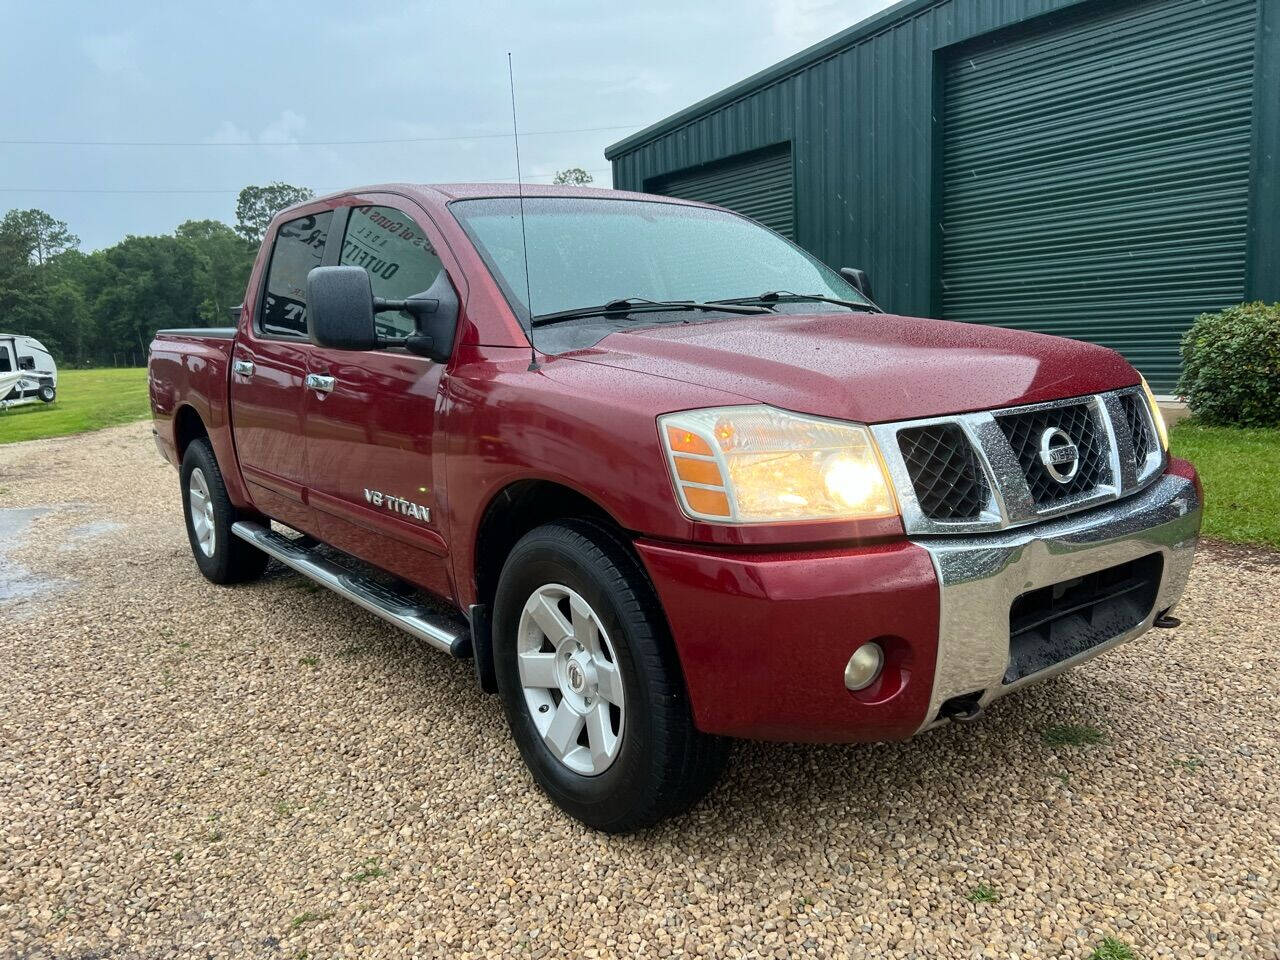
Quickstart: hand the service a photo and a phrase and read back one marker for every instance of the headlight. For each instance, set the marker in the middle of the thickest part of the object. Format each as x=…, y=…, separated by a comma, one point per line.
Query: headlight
x=1156, y=416
x=761, y=465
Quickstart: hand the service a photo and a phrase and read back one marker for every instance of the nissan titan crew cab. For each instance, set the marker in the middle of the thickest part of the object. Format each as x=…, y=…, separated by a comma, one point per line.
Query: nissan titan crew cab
x=666, y=478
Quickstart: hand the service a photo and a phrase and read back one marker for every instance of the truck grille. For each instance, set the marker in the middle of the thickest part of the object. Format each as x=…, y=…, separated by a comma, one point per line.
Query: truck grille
x=1024, y=431
x=944, y=471
x=990, y=470
x=1058, y=622
x=1136, y=415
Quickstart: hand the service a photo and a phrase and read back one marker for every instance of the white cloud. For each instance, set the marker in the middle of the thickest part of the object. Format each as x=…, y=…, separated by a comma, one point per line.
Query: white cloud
x=284, y=128
x=112, y=53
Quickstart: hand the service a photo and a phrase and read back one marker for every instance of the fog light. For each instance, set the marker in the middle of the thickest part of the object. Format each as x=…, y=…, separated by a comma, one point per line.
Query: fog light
x=864, y=666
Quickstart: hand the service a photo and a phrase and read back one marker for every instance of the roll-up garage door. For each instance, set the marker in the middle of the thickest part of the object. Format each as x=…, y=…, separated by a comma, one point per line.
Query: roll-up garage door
x=1096, y=176
x=759, y=186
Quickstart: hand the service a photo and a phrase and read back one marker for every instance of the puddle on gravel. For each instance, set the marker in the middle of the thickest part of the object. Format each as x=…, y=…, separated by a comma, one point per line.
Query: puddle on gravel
x=88, y=531
x=16, y=581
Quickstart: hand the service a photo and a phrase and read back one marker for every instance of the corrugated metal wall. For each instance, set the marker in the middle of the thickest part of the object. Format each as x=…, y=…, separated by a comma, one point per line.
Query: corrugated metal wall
x=1096, y=176
x=760, y=186
x=859, y=112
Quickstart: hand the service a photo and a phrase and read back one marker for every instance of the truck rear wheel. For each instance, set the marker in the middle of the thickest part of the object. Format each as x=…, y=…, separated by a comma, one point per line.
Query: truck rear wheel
x=221, y=556
x=591, y=683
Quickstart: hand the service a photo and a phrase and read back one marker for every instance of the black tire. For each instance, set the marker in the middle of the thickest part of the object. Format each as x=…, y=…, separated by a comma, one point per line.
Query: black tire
x=664, y=764
x=46, y=392
x=232, y=560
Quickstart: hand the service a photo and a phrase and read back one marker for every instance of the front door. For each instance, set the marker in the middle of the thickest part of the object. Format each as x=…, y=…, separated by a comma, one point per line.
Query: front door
x=375, y=470
x=269, y=364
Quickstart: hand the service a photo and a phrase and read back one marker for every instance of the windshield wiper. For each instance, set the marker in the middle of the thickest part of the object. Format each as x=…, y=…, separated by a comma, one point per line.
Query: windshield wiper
x=630, y=305
x=786, y=296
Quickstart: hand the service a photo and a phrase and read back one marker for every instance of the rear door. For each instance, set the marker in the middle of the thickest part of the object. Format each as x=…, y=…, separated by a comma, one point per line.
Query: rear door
x=269, y=363
x=375, y=473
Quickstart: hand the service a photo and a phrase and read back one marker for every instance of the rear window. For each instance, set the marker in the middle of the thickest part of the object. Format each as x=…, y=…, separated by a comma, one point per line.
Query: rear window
x=299, y=246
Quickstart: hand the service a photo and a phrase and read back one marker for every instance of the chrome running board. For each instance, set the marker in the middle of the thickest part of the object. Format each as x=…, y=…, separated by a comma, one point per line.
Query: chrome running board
x=443, y=631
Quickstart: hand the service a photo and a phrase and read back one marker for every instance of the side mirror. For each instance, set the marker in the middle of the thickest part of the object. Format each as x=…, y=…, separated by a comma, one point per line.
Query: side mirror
x=340, y=309
x=858, y=279
x=436, y=313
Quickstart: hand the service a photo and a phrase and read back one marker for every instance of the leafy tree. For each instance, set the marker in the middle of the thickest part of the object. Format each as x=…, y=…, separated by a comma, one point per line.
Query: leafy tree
x=41, y=303
x=139, y=286
x=574, y=176
x=229, y=259
x=257, y=205
x=33, y=236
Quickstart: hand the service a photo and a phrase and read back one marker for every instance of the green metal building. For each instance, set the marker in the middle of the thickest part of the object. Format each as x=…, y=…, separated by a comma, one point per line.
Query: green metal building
x=1101, y=169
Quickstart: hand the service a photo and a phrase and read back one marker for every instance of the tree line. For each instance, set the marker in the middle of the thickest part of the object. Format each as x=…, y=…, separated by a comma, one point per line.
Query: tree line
x=103, y=308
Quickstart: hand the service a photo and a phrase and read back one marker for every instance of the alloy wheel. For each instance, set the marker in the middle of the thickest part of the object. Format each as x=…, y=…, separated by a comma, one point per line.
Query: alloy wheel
x=202, y=512
x=571, y=679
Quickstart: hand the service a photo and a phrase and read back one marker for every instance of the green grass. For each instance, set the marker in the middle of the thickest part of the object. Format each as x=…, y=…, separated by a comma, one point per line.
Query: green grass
x=984, y=893
x=87, y=400
x=1113, y=949
x=1072, y=735
x=311, y=916
x=369, y=870
x=1238, y=468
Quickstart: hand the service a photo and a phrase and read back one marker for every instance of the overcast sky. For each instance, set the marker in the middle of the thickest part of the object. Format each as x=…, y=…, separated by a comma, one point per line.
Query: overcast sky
x=288, y=73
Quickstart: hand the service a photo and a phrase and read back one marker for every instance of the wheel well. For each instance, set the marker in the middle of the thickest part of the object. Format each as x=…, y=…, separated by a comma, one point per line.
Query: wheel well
x=187, y=426
x=515, y=511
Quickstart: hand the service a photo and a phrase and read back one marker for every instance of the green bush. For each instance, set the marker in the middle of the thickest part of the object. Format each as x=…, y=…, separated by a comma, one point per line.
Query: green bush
x=1231, y=366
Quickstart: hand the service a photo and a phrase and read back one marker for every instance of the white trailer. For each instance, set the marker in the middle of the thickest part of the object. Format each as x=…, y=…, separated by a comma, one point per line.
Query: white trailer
x=27, y=371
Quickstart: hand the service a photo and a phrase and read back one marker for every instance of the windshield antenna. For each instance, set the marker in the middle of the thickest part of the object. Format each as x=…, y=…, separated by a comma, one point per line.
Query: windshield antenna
x=524, y=238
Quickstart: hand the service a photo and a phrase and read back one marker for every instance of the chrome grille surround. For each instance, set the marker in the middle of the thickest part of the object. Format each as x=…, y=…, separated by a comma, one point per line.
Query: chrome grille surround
x=1010, y=502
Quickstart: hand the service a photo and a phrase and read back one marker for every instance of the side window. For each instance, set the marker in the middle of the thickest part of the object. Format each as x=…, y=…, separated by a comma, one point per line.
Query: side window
x=299, y=247
x=26, y=363
x=6, y=366
x=398, y=257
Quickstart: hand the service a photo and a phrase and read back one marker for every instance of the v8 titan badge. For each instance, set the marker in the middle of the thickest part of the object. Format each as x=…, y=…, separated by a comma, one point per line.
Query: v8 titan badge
x=398, y=505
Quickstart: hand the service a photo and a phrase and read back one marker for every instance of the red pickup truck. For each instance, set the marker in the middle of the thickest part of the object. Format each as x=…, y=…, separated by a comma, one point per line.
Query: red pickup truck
x=666, y=477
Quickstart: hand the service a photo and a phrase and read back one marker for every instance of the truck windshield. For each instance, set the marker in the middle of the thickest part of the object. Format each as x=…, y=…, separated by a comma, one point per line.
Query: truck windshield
x=587, y=251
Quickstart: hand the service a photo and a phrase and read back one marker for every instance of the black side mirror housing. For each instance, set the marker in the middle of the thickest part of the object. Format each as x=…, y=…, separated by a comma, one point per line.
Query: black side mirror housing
x=436, y=313
x=340, y=309
x=858, y=279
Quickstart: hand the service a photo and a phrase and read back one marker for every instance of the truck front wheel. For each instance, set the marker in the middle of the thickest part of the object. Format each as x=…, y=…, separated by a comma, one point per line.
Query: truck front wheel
x=221, y=556
x=591, y=684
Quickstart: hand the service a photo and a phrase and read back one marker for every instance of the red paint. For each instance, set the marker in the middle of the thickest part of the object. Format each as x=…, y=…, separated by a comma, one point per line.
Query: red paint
x=870, y=368
x=748, y=606
x=764, y=637
x=1183, y=468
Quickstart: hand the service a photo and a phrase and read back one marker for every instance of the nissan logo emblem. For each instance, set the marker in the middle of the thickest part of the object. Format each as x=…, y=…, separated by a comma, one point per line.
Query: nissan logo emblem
x=1060, y=456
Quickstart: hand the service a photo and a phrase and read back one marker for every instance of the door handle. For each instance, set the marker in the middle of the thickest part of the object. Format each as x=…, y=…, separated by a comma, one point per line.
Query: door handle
x=243, y=368
x=320, y=384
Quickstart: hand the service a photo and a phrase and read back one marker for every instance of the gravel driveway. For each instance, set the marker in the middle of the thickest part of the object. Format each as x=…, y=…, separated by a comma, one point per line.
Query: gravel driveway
x=267, y=771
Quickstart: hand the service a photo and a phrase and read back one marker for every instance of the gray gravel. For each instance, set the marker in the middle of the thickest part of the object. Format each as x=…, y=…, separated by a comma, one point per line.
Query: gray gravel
x=266, y=771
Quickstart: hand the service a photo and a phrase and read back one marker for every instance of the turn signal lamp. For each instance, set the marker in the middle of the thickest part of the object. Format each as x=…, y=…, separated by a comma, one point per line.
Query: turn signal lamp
x=762, y=465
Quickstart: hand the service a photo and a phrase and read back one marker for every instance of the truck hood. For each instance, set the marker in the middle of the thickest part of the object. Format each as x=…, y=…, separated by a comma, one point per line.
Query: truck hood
x=871, y=368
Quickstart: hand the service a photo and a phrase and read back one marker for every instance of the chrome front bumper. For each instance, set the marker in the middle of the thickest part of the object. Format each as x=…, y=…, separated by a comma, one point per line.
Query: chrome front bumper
x=980, y=576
